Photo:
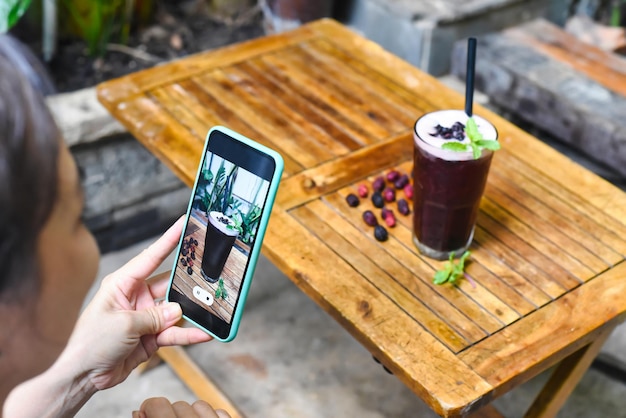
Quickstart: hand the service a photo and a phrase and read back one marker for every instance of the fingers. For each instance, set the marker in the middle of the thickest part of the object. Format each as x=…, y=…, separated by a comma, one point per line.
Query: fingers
x=182, y=336
x=143, y=265
x=155, y=319
x=161, y=408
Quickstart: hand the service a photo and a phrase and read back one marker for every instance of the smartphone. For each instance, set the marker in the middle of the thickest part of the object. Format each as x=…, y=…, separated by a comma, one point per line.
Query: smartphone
x=226, y=219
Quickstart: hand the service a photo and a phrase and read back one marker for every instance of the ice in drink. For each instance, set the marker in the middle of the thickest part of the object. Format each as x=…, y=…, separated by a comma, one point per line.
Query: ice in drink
x=220, y=237
x=448, y=185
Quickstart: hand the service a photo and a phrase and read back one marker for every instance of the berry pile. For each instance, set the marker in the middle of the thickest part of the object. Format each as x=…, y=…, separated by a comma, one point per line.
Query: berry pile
x=384, y=191
x=456, y=131
x=188, y=252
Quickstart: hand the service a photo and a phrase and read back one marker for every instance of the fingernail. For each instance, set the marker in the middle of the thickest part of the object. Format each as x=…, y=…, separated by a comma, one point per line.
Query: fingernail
x=172, y=310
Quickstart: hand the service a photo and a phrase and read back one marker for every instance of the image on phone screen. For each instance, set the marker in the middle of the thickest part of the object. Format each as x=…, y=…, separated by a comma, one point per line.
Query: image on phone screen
x=224, y=218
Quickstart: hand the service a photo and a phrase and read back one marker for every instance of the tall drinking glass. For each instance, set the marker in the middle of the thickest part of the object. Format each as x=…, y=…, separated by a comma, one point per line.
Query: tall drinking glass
x=218, y=241
x=448, y=185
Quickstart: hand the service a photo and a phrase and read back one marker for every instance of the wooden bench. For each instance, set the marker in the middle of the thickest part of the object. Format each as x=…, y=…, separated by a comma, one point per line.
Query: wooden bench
x=567, y=88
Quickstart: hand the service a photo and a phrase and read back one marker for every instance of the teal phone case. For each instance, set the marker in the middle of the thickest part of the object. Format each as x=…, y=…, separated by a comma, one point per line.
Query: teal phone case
x=260, y=234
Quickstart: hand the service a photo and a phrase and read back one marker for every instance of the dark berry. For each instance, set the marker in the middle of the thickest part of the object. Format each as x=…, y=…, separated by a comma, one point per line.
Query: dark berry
x=378, y=184
x=380, y=233
x=408, y=191
x=458, y=127
x=193, y=255
x=362, y=190
x=183, y=262
x=403, y=207
x=189, y=270
x=369, y=218
x=195, y=241
x=393, y=175
x=184, y=251
x=353, y=200
x=389, y=194
x=377, y=200
x=402, y=181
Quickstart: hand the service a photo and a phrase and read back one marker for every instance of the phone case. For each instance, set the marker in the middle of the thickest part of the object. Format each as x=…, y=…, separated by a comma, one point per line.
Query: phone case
x=255, y=251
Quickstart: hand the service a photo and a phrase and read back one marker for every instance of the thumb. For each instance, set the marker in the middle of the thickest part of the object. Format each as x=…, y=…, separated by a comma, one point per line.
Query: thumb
x=155, y=319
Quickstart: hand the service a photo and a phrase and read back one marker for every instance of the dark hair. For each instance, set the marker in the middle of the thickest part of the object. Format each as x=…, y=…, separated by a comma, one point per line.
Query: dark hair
x=29, y=149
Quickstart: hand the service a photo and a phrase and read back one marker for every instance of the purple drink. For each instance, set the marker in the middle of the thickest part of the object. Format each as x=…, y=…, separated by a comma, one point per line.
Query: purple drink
x=448, y=186
x=218, y=241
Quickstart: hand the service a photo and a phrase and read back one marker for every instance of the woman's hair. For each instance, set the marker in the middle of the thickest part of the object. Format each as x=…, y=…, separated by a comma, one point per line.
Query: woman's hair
x=29, y=148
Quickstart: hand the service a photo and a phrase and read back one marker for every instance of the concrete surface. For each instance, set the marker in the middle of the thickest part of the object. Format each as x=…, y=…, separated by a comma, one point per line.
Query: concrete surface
x=292, y=360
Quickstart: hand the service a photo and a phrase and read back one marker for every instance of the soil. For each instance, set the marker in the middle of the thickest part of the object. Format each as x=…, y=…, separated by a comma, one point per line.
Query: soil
x=177, y=30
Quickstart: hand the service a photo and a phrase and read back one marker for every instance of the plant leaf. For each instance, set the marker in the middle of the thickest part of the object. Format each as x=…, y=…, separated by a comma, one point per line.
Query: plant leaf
x=454, y=146
x=471, y=130
x=489, y=144
x=476, y=151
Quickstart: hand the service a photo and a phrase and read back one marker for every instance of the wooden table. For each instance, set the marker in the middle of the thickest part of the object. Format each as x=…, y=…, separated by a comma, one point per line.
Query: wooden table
x=548, y=256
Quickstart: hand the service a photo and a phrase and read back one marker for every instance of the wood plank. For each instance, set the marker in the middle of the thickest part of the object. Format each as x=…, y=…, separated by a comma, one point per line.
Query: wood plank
x=605, y=67
x=408, y=350
x=586, y=216
x=333, y=235
x=162, y=97
x=163, y=135
x=546, y=336
x=349, y=136
x=489, y=293
x=196, y=380
x=273, y=126
x=214, y=110
x=325, y=178
x=300, y=77
x=124, y=88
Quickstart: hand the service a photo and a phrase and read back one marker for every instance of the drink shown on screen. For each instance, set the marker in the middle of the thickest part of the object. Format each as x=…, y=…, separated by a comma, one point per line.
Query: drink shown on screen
x=220, y=237
x=448, y=185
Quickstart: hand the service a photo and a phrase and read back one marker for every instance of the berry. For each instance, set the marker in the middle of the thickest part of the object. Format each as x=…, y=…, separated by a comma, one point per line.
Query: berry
x=195, y=241
x=393, y=175
x=403, y=207
x=362, y=190
x=377, y=200
x=353, y=200
x=380, y=233
x=193, y=255
x=183, y=262
x=189, y=270
x=402, y=181
x=369, y=218
x=408, y=191
x=390, y=220
x=389, y=194
x=189, y=262
x=184, y=251
x=378, y=184
x=385, y=212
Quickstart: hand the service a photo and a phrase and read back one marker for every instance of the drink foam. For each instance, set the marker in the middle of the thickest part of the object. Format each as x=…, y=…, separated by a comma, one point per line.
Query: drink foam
x=425, y=127
x=214, y=218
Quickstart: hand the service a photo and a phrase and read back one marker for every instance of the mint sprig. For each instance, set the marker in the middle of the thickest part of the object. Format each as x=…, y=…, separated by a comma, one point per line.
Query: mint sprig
x=477, y=142
x=452, y=271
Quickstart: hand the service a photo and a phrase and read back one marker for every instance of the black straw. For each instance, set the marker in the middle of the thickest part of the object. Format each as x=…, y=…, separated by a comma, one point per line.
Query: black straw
x=469, y=76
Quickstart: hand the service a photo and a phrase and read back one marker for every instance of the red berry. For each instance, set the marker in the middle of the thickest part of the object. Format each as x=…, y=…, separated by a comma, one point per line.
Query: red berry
x=390, y=221
x=389, y=194
x=408, y=191
x=362, y=190
x=393, y=175
x=378, y=184
x=385, y=212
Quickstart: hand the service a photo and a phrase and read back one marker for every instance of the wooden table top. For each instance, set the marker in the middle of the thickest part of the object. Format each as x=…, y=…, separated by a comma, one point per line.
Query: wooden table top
x=548, y=254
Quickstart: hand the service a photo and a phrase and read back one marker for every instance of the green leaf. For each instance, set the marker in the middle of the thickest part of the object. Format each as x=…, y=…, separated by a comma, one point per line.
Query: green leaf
x=10, y=12
x=441, y=276
x=218, y=293
x=476, y=151
x=471, y=130
x=490, y=145
x=452, y=271
x=454, y=146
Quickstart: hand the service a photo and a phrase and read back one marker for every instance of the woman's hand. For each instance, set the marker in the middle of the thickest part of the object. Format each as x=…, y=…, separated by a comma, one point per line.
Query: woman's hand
x=123, y=326
x=162, y=408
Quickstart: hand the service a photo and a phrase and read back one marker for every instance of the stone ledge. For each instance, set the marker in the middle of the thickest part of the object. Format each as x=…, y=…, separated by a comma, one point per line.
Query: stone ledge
x=81, y=118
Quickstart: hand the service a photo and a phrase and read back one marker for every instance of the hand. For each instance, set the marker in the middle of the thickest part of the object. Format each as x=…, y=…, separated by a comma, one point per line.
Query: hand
x=161, y=408
x=123, y=326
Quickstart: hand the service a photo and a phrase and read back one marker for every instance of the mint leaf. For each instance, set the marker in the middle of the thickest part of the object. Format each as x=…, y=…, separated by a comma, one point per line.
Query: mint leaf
x=454, y=146
x=489, y=144
x=452, y=271
x=442, y=276
x=476, y=151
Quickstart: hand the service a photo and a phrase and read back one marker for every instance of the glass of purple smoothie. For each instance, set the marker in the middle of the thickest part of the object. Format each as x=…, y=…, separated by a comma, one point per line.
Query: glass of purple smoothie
x=218, y=242
x=448, y=184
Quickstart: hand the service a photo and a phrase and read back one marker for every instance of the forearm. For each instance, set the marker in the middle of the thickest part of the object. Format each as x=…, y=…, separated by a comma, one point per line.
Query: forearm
x=59, y=392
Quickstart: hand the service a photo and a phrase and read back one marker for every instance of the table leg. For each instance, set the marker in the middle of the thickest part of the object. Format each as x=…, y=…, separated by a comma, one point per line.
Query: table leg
x=488, y=411
x=565, y=378
x=197, y=380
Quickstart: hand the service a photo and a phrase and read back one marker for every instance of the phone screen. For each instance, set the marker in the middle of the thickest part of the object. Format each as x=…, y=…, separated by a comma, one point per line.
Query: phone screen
x=222, y=224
